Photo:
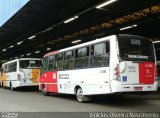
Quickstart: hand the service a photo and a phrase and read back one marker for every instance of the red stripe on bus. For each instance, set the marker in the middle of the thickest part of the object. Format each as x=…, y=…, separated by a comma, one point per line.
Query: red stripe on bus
x=51, y=53
x=50, y=80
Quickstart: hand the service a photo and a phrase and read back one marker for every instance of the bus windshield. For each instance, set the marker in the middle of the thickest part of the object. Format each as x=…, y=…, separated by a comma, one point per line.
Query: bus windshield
x=26, y=64
x=135, y=48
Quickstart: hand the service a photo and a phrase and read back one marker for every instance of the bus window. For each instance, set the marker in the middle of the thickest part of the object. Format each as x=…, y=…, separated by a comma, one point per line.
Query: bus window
x=68, y=60
x=45, y=64
x=81, y=57
x=58, y=65
x=13, y=67
x=68, y=55
x=135, y=49
x=51, y=62
x=100, y=54
x=10, y=67
x=26, y=64
x=7, y=68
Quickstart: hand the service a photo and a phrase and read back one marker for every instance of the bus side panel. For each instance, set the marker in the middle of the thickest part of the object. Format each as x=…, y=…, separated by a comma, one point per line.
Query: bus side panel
x=48, y=87
x=12, y=77
x=47, y=82
x=93, y=81
x=50, y=81
x=42, y=80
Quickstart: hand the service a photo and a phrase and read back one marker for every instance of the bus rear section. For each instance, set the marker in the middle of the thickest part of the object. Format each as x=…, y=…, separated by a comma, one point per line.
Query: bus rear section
x=29, y=71
x=21, y=73
x=136, y=70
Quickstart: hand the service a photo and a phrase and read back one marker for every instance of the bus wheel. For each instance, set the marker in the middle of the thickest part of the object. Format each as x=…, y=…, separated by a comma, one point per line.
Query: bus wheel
x=80, y=97
x=45, y=93
x=11, y=87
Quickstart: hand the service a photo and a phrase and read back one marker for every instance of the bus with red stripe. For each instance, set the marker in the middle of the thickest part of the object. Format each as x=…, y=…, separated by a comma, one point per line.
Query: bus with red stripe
x=113, y=64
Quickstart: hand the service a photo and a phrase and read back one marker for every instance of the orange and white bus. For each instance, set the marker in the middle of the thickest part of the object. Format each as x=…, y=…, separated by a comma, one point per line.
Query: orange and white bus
x=113, y=64
x=20, y=72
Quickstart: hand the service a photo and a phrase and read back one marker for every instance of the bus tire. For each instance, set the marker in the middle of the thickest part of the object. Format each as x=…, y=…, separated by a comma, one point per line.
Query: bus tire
x=80, y=97
x=45, y=93
x=11, y=87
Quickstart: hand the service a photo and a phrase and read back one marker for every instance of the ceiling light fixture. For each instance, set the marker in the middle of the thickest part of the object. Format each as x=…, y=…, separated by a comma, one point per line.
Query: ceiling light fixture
x=128, y=27
x=32, y=37
x=4, y=50
x=105, y=3
x=76, y=41
x=11, y=46
x=48, y=29
x=71, y=19
x=19, y=42
x=37, y=52
x=48, y=48
x=28, y=54
x=22, y=55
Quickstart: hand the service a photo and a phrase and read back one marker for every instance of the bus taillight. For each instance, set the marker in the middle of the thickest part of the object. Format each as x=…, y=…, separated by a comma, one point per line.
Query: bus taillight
x=116, y=72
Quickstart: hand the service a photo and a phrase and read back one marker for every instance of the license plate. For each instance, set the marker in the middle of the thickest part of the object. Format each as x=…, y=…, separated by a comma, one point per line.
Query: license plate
x=138, y=88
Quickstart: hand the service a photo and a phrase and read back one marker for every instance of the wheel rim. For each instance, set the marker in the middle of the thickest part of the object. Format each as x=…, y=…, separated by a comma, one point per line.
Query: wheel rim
x=80, y=95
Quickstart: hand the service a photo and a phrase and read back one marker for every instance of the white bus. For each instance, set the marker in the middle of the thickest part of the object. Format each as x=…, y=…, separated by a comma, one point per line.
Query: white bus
x=20, y=72
x=113, y=64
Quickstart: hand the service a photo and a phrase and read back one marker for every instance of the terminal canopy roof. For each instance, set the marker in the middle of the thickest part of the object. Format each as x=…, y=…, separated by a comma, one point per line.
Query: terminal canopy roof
x=38, y=27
